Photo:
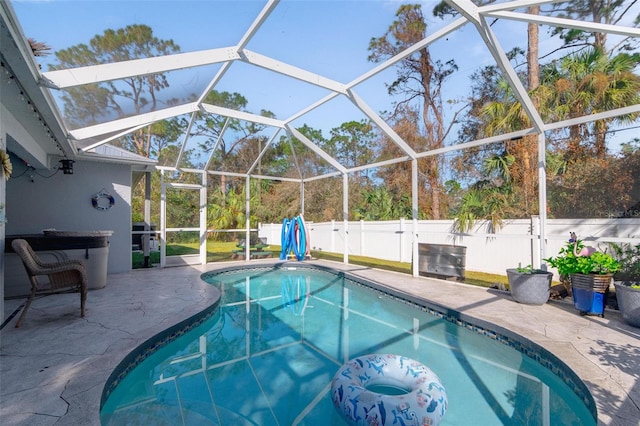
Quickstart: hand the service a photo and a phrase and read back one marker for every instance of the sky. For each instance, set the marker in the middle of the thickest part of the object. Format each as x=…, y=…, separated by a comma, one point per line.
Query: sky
x=326, y=37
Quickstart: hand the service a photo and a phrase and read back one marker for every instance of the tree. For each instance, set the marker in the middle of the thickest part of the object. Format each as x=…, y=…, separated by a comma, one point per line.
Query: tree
x=378, y=204
x=600, y=11
x=592, y=187
x=352, y=143
x=491, y=198
x=419, y=79
x=397, y=177
x=228, y=210
x=166, y=133
x=586, y=83
x=92, y=103
x=39, y=48
x=630, y=162
x=223, y=149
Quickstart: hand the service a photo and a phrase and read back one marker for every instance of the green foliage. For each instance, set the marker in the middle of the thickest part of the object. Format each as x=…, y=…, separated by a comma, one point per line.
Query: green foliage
x=568, y=263
x=484, y=202
x=352, y=144
x=87, y=104
x=529, y=269
x=228, y=210
x=379, y=204
x=629, y=258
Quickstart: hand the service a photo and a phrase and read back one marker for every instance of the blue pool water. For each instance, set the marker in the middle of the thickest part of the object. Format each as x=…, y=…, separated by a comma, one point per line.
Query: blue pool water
x=267, y=354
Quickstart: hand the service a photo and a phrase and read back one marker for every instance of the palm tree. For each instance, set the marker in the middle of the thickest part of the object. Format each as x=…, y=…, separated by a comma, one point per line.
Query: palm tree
x=39, y=48
x=586, y=83
x=491, y=198
x=228, y=211
x=379, y=204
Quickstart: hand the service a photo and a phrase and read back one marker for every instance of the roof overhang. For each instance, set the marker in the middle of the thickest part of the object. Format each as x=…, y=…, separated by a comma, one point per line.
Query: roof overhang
x=32, y=108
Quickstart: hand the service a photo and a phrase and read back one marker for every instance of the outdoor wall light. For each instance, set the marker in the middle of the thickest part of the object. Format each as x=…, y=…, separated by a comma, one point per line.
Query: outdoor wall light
x=67, y=166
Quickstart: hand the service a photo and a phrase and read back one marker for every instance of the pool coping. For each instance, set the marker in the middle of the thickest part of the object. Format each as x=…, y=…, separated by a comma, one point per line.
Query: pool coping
x=485, y=328
x=54, y=368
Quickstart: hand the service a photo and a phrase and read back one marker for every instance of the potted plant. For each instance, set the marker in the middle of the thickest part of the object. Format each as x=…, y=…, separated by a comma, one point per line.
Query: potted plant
x=627, y=282
x=528, y=285
x=590, y=272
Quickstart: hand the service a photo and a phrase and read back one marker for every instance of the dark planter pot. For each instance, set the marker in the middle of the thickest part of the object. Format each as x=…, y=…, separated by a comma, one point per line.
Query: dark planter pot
x=590, y=293
x=628, y=303
x=530, y=289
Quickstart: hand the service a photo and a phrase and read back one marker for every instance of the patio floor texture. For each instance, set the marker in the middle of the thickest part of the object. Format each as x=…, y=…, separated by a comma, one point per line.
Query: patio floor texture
x=53, y=369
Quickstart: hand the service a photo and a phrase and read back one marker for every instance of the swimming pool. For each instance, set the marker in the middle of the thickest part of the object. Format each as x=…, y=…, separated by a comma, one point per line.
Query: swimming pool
x=267, y=353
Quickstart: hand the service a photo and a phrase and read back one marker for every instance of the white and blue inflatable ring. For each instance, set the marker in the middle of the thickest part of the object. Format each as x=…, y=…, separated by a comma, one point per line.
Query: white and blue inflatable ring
x=103, y=200
x=423, y=400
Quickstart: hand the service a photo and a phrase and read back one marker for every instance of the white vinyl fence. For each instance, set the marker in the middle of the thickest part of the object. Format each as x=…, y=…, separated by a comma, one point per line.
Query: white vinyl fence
x=516, y=242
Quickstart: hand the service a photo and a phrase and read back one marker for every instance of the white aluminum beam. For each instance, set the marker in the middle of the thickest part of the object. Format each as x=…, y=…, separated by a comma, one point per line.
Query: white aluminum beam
x=241, y=115
x=471, y=11
x=325, y=176
x=345, y=216
x=409, y=51
x=295, y=157
x=276, y=178
x=221, y=72
x=315, y=148
x=203, y=221
x=542, y=197
x=311, y=107
x=415, y=252
x=163, y=220
x=384, y=126
x=247, y=222
x=215, y=146
x=186, y=137
x=264, y=150
x=566, y=23
x=179, y=185
x=291, y=71
x=510, y=5
x=72, y=77
x=131, y=122
x=479, y=142
x=109, y=139
x=257, y=23
x=633, y=109
x=220, y=173
x=379, y=164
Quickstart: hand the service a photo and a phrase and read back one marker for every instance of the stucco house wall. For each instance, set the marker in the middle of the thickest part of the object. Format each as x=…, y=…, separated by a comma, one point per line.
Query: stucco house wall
x=35, y=202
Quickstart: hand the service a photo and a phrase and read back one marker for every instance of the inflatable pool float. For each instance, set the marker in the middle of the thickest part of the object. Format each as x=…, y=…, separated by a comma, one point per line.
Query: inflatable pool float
x=387, y=389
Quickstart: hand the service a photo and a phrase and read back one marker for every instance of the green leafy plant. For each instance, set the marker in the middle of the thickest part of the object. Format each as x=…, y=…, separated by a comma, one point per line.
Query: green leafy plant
x=529, y=269
x=629, y=258
x=524, y=269
x=567, y=262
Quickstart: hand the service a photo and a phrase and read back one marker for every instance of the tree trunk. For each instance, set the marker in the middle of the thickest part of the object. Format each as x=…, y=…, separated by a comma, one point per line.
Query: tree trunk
x=533, y=38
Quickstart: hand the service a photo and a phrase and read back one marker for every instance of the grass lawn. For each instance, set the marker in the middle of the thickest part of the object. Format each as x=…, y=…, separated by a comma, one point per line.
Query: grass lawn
x=216, y=252
x=221, y=251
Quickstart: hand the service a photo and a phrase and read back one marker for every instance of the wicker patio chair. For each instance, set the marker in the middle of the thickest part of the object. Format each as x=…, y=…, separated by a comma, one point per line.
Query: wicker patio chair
x=62, y=275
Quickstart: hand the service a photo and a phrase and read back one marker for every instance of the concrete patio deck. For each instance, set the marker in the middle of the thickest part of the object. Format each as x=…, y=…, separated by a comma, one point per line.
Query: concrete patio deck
x=53, y=369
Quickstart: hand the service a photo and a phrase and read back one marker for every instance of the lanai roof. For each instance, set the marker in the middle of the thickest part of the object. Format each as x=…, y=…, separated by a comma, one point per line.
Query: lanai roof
x=284, y=57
